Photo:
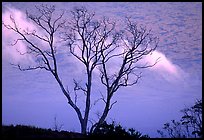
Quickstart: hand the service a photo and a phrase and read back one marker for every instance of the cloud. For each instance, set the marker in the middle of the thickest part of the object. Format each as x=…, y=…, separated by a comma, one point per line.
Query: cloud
x=164, y=64
x=19, y=17
x=164, y=67
x=9, y=37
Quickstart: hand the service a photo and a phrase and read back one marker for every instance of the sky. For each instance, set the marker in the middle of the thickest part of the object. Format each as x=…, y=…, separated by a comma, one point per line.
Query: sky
x=34, y=98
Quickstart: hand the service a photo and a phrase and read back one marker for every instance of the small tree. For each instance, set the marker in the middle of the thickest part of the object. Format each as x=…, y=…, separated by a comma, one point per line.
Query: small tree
x=192, y=119
x=190, y=125
x=57, y=126
x=95, y=44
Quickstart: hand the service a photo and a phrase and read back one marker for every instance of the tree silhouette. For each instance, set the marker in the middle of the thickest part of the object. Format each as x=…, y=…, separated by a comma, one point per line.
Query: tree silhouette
x=57, y=126
x=95, y=43
x=189, y=126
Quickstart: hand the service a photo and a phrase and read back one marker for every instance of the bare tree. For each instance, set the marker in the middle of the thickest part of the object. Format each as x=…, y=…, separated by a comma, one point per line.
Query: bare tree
x=57, y=126
x=45, y=59
x=95, y=44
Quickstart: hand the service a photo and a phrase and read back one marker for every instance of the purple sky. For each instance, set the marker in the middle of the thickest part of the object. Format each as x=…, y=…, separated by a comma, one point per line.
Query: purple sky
x=34, y=98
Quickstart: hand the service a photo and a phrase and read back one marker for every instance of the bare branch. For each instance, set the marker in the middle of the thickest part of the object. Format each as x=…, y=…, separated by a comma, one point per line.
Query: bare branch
x=148, y=65
x=112, y=105
x=21, y=39
x=29, y=67
x=78, y=87
x=102, y=98
x=75, y=98
x=33, y=33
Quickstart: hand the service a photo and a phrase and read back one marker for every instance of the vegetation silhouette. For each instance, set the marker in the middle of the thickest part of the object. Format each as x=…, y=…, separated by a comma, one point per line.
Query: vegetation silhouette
x=105, y=131
x=116, y=131
x=189, y=126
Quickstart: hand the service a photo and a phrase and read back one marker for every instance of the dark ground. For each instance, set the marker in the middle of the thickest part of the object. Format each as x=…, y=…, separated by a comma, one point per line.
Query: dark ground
x=107, y=131
x=30, y=132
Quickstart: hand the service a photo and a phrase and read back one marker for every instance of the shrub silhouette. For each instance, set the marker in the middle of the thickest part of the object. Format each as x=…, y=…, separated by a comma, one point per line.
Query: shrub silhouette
x=116, y=131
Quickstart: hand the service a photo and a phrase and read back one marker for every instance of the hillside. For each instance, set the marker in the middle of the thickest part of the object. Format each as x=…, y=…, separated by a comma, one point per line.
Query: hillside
x=106, y=131
x=21, y=131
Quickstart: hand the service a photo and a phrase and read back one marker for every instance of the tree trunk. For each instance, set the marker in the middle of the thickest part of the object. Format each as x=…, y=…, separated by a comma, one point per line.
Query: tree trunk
x=87, y=109
x=83, y=127
x=102, y=119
